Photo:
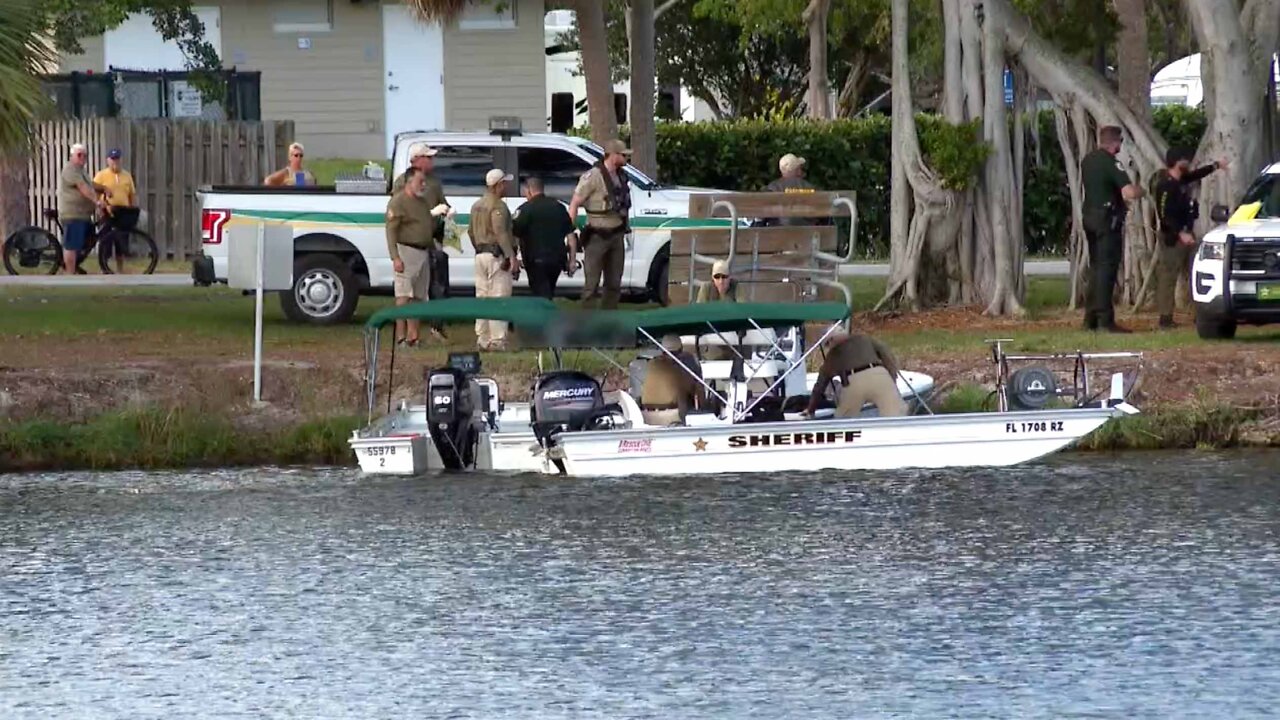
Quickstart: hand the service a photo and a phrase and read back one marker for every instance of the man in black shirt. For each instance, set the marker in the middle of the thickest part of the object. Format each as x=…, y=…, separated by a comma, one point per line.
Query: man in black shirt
x=1107, y=192
x=547, y=242
x=1178, y=212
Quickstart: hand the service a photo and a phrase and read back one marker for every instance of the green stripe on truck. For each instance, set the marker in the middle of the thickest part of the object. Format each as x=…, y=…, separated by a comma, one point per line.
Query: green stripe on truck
x=377, y=219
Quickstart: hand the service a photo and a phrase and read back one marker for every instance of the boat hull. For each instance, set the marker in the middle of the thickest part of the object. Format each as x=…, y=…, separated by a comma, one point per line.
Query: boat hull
x=940, y=441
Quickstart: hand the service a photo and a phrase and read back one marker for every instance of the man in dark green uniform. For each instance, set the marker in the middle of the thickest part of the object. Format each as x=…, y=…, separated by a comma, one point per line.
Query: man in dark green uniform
x=1107, y=190
x=606, y=196
x=547, y=242
x=1177, y=213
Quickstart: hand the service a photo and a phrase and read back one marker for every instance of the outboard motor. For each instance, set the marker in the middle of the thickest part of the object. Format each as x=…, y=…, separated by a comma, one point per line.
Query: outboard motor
x=452, y=416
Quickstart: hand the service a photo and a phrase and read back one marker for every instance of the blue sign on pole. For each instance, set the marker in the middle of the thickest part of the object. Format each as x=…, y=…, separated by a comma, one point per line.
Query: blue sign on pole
x=1008, y=87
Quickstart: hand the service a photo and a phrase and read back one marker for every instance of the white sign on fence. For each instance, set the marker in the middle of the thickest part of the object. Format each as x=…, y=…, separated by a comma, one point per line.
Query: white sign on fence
x=184, y=100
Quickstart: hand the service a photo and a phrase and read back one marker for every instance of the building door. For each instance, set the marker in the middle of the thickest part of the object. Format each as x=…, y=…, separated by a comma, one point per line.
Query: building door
x=413, y=73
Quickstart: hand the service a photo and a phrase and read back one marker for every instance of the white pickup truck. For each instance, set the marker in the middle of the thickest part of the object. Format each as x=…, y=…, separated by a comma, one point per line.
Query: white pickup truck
x=1235, y=277
x=340, y=245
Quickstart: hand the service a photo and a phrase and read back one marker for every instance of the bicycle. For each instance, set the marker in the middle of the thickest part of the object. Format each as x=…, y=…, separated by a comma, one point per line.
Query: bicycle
x=33, y=250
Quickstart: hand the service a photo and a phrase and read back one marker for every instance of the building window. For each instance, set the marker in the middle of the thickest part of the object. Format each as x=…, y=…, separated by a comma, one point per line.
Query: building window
x=302, y=16
x=488, y=15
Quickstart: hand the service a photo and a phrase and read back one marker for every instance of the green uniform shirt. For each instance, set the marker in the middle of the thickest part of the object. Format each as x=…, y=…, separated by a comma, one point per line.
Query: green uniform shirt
x=1103, y=177
x=491, y=224
x=542, y=224
x=432, y=195
x=71, y=204
x=409, y=222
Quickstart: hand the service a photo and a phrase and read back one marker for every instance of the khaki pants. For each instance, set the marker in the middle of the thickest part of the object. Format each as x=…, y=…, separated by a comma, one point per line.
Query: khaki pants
x=491, y=281
x=605, y=255
x=416, y=278
x=661, y=418
x=874, y=385
x=1173, y=267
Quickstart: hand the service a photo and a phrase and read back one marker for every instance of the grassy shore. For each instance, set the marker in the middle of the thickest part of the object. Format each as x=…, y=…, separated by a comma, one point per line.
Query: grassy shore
x=159, y=377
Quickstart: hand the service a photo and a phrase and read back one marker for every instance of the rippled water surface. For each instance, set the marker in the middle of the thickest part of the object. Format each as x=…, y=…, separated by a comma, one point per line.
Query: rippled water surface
x=1131, y=586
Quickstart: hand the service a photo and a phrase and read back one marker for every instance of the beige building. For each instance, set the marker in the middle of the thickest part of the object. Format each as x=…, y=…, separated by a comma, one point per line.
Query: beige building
x=353, y=73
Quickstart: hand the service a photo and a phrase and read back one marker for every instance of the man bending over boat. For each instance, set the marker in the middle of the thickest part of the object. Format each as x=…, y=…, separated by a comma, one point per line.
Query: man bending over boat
x=868, y=369
x=670, y=389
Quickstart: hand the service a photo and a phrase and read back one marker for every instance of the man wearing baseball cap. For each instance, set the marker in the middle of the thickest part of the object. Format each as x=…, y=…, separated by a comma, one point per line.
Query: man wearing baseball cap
x=121, y=197
x=421, y=156
x=496, y=261
x=791, y=180
x=606, y=196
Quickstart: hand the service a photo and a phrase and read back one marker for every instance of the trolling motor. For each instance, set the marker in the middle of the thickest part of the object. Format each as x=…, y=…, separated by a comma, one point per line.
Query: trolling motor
x=455, y=411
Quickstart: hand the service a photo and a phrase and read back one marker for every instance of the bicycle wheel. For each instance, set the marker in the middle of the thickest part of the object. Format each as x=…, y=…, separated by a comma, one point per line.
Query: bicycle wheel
x=130, y=252
x=32, y=251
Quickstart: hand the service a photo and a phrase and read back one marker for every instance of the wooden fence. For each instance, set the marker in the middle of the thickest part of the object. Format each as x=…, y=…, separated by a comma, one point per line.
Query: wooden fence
x=169, y=160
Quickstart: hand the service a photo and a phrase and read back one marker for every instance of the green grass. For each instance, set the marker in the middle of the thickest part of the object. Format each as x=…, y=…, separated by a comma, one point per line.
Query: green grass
x=155, y=438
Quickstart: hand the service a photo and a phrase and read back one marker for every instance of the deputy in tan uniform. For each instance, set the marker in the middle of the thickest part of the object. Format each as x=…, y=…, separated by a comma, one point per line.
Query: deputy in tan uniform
x=606, y=196
x=670, y=390
x=409, y=242
x=869, y=370
x=496, y=260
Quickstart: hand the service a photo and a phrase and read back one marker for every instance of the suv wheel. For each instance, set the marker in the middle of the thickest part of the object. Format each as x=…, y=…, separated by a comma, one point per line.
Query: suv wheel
x=660, y=281
x=1214, y=327
x=325, y=291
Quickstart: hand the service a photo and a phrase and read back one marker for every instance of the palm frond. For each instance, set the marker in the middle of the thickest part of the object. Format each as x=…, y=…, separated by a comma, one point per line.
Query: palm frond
x=436, y=11
x=25, y=53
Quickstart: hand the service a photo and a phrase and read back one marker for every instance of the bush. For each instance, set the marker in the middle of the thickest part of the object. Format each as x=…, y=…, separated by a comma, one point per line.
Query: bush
x=742, y=156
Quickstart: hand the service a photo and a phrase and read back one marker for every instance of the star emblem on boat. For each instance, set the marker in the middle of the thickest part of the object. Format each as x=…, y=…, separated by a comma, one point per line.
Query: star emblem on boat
x=700, y=445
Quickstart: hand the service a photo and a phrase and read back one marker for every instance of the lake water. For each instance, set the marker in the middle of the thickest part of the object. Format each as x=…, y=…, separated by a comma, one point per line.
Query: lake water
x=1088, y=586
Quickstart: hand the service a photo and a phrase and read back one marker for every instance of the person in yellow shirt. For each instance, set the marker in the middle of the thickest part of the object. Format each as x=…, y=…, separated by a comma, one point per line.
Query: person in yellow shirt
x=120, y=190
x=121, y=197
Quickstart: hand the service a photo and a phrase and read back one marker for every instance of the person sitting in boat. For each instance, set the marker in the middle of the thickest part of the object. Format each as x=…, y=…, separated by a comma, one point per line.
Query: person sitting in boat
x=722, y=288
x=869, y=370
x=670, y=387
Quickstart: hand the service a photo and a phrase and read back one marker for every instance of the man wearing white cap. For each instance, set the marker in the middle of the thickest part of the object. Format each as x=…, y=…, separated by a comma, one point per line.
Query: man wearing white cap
x=722, y=288
x=496, y=261
x=791, y=167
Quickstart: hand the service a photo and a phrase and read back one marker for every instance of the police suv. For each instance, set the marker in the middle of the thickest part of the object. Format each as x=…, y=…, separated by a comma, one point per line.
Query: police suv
x=340, y=247
x=1235, y=277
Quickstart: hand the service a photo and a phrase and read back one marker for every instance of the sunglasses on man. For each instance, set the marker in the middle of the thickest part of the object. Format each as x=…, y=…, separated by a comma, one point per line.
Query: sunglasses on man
x=719, y=276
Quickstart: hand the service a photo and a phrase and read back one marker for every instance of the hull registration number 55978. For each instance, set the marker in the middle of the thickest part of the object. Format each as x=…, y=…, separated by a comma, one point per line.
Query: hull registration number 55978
x=381, y=452
x=1033, y=427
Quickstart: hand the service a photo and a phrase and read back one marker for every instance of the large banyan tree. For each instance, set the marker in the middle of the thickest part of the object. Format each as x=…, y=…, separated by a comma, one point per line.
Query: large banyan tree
x=964, y=244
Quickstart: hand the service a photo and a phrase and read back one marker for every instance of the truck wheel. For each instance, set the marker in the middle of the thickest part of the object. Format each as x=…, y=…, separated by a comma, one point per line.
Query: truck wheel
x=1214, y=327
x=325, y=291
x=660, y=281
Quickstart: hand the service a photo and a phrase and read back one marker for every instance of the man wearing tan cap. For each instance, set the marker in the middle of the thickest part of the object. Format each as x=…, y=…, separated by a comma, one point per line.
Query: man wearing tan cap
x=722, y=288
x=409, y=243
x=606, y=196
x=496, y=261
x=791, y=167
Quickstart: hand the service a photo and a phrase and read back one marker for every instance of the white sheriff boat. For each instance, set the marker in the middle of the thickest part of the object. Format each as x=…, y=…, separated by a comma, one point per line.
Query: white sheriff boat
x=571, y=426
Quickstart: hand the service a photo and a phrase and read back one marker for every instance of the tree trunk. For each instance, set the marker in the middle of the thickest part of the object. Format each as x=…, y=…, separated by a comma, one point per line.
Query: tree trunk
x=1133, y=57
x=595, y=65
x=644, y=140
x=1235, y=119
x=819, y=97
x=854, y=83
x=14, y=210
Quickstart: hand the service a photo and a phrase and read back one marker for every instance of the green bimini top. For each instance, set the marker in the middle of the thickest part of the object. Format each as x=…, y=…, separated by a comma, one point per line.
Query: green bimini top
x=519, y=311
x=541, y=322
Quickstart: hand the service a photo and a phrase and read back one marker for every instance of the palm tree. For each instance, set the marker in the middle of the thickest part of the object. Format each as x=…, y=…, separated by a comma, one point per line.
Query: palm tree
x=24, y=55
x=441, y=11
